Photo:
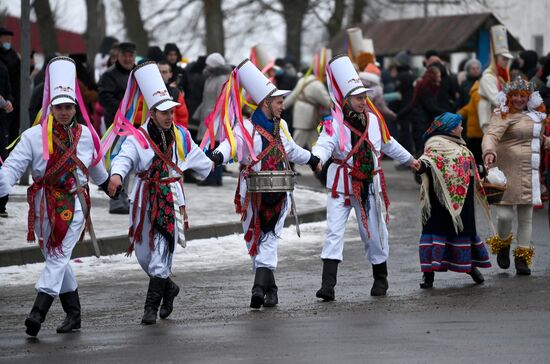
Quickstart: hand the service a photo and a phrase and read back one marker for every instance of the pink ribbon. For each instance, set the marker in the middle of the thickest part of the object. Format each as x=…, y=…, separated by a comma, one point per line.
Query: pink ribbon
x=45, y=113
x=122, y=127
x=337, y=113
x=95, y=137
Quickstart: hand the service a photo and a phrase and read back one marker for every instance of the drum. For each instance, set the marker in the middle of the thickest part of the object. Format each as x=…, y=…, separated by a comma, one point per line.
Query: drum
x=271, y=181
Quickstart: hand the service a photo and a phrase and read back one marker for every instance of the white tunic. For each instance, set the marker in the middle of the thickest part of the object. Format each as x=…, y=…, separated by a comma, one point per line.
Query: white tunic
x=328, y=146
x=28, y=152
x=267, y=251
x=132, y=157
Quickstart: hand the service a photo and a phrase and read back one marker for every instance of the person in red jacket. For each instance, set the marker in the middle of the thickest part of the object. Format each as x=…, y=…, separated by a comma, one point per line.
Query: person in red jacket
x=181, y=115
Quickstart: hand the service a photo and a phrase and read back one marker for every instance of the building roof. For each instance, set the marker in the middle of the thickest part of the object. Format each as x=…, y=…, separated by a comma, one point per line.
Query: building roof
x=68, y=42
x=446, y=34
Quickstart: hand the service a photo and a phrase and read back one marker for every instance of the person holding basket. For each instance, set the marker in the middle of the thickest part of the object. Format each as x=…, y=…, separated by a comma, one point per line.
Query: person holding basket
x=513, y=143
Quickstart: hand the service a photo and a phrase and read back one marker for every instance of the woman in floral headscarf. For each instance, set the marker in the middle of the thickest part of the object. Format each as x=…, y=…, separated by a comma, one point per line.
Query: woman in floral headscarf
x=450, y=180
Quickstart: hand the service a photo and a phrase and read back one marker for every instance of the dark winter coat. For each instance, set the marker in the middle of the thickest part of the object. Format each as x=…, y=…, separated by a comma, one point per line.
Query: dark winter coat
x=112, y=86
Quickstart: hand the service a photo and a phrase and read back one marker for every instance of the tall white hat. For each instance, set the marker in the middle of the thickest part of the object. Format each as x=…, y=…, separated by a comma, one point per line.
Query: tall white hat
x=356, y=42
x=346, y=76
x=152, y=87
x=499, y=39
x=368, y=45
x=62, y=75
x=256, y=84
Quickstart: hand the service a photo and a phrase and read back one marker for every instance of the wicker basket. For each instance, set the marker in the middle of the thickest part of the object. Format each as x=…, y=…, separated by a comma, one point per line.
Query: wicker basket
x=493, y=192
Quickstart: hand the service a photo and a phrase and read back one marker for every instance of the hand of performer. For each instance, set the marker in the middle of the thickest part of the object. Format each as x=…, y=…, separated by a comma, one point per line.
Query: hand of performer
x=8, y=107
x=315, y=163
x=415, y=165
x=489, y=160
x=115, y=185
x=183, y=212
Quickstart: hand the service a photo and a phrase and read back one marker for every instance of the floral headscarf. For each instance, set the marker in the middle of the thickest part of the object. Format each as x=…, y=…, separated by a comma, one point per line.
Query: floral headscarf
x=444, y=123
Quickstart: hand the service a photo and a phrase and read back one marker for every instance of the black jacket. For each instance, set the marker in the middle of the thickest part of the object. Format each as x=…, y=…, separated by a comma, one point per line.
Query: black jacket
x=112, y=86
x=447, y=97
x=12, y=62
x=404, y=84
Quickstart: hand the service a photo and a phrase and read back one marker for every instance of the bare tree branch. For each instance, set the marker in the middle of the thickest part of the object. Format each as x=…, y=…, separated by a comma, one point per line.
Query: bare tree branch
x=269, y=7
x=176, y=9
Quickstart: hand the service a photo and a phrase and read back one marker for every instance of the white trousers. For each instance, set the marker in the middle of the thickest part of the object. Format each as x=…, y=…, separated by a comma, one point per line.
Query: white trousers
x=266, y=253
x=505, y=216
x=58, y=276
x=151, y=260
x=376, y=247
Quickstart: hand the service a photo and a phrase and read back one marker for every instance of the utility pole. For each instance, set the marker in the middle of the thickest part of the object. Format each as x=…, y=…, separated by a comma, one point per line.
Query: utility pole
x=24, y=77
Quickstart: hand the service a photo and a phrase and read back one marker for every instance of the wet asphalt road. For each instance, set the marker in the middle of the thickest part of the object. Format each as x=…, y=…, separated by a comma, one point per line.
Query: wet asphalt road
x=505, y=320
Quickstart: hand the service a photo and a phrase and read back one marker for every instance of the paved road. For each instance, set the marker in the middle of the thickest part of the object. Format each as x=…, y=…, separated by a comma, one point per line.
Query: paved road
x=506, y=320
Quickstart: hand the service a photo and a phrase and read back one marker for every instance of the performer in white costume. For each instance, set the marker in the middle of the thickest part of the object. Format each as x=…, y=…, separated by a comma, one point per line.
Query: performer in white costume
x=264, y=144
x=159, y=151
x=355, y=139
x=62, y=156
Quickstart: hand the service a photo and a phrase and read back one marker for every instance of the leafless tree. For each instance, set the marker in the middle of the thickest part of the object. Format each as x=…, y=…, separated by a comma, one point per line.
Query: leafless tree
x=293, y=13
x=358, y=9
x=213, y=21
x=46, y=23
x=334, y=24
x=134, y=25
x=95, y=28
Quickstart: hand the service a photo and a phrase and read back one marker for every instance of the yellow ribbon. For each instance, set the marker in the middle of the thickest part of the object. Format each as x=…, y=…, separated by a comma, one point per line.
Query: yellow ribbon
x=143, y=112
x=179, y=142
x=285, y=131
x=50, y=131
x=226, y=120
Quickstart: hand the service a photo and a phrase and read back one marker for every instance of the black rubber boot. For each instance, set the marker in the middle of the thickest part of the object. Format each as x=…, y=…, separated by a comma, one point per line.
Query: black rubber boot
x=171, y=290
x=71, y=305
x=380, y=275
x=38, y=313
x=522, y=269
x=330, y=271
x=476, y=275
x=152, y=301
x=427, y=280
x=271, y=298
x=503, y=257
x=261, y=280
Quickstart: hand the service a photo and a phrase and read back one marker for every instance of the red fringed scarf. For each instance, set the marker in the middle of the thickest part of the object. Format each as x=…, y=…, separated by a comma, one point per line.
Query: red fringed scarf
x=60, y=188
x=155, y=191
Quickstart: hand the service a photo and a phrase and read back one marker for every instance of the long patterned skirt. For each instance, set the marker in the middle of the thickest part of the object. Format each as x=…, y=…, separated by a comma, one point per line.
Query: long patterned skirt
x=458, y=254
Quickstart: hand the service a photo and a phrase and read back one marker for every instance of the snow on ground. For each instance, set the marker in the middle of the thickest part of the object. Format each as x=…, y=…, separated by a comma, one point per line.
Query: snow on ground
x=227, y=251
x=206, y=205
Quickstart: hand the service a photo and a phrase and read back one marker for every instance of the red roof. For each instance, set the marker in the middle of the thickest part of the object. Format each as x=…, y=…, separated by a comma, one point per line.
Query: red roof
x=68, y=42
